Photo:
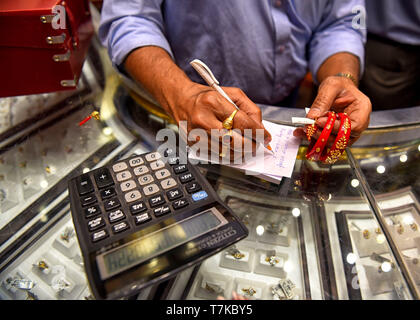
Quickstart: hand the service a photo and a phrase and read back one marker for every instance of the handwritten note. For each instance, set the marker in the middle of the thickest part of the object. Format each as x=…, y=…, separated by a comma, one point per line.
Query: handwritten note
x=281, y=164
x=285, y=147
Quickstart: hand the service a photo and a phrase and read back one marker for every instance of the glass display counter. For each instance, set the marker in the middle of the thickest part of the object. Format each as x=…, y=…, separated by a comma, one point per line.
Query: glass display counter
x=346, y=231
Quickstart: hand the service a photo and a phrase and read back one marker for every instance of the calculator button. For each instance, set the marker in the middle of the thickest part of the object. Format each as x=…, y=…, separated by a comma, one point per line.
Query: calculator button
x=173, y=160
x=136, y=161
x=107, y=193
x=92, y=211
x=174, y=194
x=186, y=177
x=119, y=166
x=162, y=174
x=132, y=196
x=138, y=207
x=146, y=179
x=128, y=185
x=99, y=235
x=112, y=204
x=96, y=224
x=150, y=189
x=162, y=210
x=87, y=200
x=142, y=218
x=116, y=215
x=153, y=156
x=156, y=201
x=84, y=184
x=119, y=227
x=181, y=203
x=192, y=187
x=180, y=168
x=157, y=165
x=138, y=171
x=123, y=175
x=199, y=195
x=168, y=183
x=103, y=178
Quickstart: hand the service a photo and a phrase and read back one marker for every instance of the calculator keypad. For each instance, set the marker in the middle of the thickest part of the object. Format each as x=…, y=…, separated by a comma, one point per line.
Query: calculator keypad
x=149, y=188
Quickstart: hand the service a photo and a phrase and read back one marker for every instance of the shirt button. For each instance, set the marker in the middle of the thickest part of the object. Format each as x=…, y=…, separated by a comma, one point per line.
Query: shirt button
x=277, y=3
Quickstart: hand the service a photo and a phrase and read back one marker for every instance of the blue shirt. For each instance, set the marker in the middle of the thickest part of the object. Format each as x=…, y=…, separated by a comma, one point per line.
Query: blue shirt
x=398, y=20
x=264, y=47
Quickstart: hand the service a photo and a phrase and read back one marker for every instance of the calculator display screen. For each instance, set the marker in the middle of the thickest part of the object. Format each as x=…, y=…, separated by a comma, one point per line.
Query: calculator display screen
x=151, y=245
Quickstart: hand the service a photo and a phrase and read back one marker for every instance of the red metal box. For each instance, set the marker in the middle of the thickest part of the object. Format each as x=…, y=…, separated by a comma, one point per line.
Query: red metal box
x=43, y=44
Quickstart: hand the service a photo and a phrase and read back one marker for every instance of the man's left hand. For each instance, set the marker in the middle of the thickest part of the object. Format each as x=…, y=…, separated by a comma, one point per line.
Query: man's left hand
x=339, y=94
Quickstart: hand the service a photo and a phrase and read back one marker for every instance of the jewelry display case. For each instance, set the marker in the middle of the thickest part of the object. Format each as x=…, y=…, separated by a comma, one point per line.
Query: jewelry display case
x=346, y=231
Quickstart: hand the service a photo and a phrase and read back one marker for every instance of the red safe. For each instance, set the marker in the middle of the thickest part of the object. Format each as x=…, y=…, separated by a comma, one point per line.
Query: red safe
x=43, y=44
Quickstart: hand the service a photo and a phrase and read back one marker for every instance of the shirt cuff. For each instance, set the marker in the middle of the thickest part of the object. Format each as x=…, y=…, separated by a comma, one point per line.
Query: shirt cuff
x=128, y=34
x=334, y=44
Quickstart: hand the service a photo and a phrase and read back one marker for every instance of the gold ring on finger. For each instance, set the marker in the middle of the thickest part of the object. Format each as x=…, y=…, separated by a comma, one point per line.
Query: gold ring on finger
x=228, y=122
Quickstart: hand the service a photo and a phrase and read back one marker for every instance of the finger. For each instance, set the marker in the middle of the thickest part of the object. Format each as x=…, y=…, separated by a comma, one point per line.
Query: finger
x=223, y=109
x=244, y=103
x=327, y=93
x=359, y=115
x=321, y=122
x=299, y=133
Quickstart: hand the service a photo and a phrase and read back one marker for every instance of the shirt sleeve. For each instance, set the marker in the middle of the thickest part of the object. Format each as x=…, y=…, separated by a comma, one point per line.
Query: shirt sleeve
x=342, y=29
x=130, y=24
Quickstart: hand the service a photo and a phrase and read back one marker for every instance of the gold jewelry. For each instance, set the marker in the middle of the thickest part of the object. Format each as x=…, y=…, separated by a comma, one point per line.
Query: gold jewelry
x=272, y=260
x=249, y=292
x=228, y=122
x=366, y=234
x=414, y=226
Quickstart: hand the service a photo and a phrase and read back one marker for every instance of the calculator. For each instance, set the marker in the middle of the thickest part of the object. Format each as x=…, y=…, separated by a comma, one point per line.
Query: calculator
x=142, y=220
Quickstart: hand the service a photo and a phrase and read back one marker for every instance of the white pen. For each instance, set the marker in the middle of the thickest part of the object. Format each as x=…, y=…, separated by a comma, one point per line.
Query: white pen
x=208, y=76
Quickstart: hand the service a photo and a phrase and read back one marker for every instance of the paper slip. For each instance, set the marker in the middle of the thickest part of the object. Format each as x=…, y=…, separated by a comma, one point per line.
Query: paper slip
x=285, y=147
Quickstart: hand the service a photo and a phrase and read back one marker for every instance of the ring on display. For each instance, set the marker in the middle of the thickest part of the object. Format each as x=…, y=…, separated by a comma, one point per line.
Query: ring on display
x=214, y=288
x=366, y=234
x=42, y=265
x=234, y=252
x=249, y=291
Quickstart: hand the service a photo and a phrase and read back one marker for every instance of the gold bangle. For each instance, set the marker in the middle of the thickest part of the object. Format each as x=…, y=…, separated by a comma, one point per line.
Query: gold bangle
x=228, y=123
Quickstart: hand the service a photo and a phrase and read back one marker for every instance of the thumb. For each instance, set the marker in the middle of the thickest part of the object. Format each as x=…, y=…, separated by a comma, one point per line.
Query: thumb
x=323, y=101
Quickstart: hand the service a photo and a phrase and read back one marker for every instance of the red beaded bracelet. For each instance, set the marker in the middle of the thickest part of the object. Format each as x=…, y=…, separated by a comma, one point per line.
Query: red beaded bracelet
x=314, y=153
x=341, y=142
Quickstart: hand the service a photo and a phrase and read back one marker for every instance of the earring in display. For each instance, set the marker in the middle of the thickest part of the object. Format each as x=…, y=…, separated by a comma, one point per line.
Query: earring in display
x=274, y=228
x=366, y=234
x=400, y=229
x=414, y=226
x=249, y=291
x=214, y=289
x=378, y=231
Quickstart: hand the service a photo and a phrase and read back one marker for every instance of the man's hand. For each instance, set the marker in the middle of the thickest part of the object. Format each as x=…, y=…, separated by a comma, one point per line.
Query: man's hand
x=204, y=108
x=199, y=105
x=340, y=94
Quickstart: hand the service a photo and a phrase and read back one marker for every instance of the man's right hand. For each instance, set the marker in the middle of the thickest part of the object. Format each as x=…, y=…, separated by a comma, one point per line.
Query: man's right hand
x=199, y=105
